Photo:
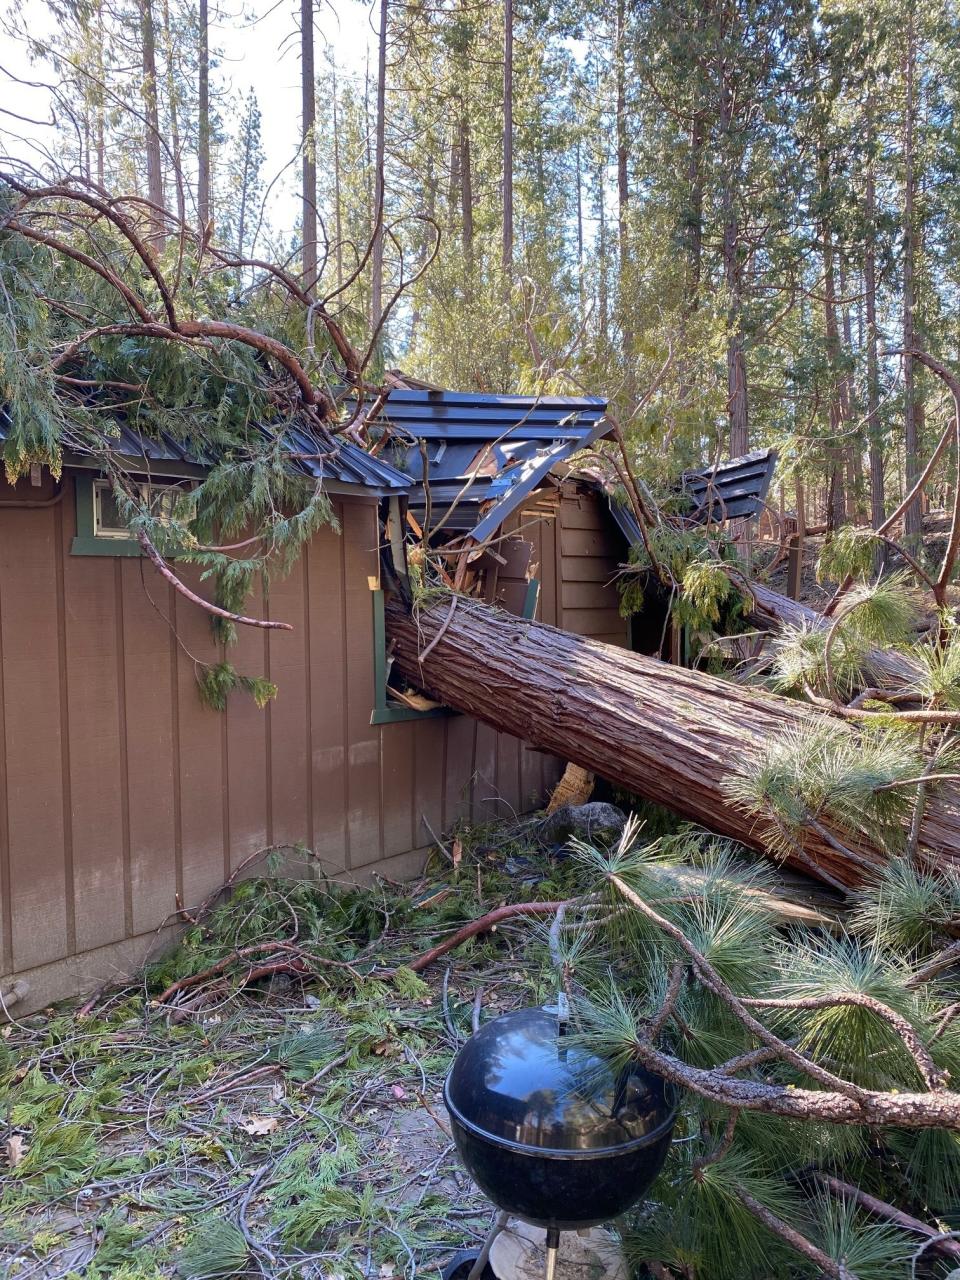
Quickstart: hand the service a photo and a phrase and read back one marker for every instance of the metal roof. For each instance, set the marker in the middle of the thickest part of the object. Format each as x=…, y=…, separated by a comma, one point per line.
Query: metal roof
x=731, y=490
x=344, y=464
x=485, y=453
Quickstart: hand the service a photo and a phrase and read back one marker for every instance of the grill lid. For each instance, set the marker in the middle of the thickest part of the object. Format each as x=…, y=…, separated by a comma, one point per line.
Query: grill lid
x=521, y=1082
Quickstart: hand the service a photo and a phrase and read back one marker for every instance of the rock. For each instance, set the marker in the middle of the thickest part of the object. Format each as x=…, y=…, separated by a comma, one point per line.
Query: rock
x=592, y=821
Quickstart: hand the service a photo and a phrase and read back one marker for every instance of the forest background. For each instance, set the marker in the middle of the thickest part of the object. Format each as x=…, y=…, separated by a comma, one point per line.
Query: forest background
x=728, y=217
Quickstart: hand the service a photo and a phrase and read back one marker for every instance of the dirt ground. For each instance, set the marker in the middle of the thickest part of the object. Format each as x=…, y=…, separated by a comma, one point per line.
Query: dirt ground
x=285, y=1128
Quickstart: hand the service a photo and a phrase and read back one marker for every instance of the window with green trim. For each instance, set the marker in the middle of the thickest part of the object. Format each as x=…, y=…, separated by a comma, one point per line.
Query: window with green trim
x=389, y=705
x=101, y=528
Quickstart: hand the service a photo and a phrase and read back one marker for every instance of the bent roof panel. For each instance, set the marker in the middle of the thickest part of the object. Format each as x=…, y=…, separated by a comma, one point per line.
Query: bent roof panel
x=485, y=453
x=733, y=490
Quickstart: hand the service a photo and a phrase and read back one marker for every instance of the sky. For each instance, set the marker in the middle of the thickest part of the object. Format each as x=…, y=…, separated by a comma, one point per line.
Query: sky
x=259, y=50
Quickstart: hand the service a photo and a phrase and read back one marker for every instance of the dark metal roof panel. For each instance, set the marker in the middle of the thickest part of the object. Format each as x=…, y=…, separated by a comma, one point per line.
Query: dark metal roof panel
x=346, y=463
x=455, y=415
x=732, y=490
x=486, y=453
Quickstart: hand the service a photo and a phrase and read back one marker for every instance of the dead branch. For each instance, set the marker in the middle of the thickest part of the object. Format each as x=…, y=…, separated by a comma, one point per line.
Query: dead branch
x=484, y=925
x=829, y=1266
x=880, y=1208
x=933, y=968
x=297, y=960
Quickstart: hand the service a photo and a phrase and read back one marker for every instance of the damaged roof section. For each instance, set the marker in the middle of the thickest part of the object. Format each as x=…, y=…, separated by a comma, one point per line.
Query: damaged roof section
x=732, y=490
x=484, y=453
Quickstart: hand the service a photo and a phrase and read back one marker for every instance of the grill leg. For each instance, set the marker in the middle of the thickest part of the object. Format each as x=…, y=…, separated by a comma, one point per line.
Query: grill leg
x=476, y=1271
x=553, y=1244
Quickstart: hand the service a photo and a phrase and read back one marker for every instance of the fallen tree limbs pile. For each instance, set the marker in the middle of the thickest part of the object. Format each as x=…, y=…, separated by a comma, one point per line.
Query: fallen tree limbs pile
x=677, y=737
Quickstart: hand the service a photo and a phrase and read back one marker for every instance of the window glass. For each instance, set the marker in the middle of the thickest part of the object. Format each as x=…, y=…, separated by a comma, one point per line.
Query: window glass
x=108, y=522
x=160, y=499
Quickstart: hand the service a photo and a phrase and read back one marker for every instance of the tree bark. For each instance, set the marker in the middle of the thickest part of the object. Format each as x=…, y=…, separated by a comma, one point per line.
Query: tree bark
x=152, y=115
x=173, y=95
x=889, y=668
x=337, y=197
x=836, y=513
x=623, y=196
x=379, y=162
x=911, y=519
x=466, y=189
x=203, y=122
x=737, y=404
x=308, y=112
x=507, y=247
x=875, y=442
x=671, y=735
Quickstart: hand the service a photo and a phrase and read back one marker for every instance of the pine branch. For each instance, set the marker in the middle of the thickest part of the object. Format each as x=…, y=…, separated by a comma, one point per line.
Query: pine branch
x=846, y=1191
x=934, y=1077
x=829, y=1266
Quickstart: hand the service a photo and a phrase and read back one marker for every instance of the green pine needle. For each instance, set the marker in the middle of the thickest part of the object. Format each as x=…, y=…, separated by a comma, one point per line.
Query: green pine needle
x=216, y=1251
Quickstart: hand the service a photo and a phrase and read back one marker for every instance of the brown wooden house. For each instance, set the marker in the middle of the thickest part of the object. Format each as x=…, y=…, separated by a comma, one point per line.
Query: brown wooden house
x=122, y=795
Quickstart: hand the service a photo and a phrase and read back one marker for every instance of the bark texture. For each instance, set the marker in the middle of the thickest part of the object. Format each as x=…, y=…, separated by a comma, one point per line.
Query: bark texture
x=671, y=735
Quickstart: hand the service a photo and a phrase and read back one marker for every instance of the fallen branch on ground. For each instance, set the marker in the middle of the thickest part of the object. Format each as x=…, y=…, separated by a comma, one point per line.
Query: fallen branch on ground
x=484, y=925
x=297, y=961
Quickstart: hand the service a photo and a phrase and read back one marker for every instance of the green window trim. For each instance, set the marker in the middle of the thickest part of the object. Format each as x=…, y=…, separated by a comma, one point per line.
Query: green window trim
x=86, y=543
x=385, y=711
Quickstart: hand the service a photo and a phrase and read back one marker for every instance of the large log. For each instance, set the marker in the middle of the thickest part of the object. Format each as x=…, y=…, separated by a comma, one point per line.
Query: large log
x=666, y=733
x=890, y=669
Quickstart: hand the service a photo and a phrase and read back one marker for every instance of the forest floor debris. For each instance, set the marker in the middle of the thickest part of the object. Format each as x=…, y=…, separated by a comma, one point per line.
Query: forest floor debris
x=281, y=1127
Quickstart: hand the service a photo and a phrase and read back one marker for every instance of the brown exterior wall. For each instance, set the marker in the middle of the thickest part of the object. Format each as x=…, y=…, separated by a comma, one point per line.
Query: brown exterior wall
x=120, y=791
x=577, y=551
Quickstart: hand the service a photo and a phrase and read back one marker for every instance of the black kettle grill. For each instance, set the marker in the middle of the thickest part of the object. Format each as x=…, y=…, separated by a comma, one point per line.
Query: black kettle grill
x=550, y=1132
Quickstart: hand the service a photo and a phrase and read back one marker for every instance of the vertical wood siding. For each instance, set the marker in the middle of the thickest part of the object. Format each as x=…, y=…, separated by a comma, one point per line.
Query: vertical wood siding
x=119, y=790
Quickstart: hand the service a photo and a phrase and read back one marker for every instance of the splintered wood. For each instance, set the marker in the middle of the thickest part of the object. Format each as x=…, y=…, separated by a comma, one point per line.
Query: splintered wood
x=575, y=787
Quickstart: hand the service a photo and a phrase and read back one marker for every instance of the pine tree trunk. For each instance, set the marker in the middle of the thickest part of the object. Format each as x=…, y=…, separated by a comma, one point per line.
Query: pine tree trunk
x=580, y=280
x=152, y=117
x=244, y=189
x=203, y=119
x=337, y=209
x=308, y=113
x=101, y=143
x=173, y=95
x=379, y=175
x=466, y=189
x=737, y=403
x=875, y=442
x=623, y=197
x=911, y=521
x=836, y=503
x=694, y=228
x=671, y=735
x=507, y=246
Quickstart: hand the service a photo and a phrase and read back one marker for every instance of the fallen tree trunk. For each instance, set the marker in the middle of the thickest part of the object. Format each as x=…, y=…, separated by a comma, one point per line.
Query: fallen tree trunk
x=671, y=735
x=890, y=669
